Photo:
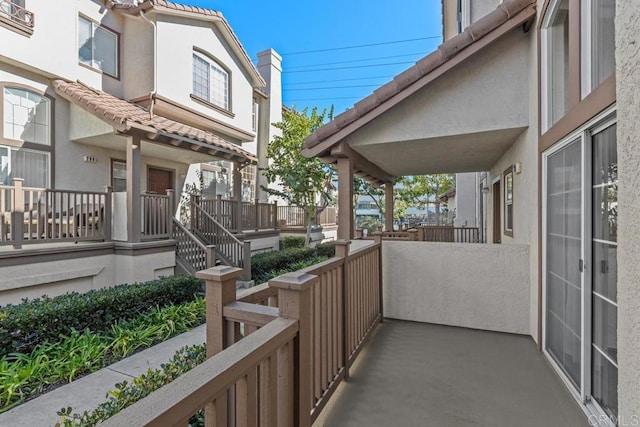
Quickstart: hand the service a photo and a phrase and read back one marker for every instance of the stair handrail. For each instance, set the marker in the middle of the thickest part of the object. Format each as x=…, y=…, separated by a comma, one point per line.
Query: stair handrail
x=207, y=251
x=218, y=225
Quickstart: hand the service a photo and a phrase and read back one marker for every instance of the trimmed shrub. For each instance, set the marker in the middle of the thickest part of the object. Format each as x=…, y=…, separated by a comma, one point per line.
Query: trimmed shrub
x=267, y=265
x=293, y=242
x=33, y=322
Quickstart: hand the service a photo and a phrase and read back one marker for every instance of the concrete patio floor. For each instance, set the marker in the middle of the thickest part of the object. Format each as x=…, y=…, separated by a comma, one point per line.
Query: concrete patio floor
x=415, y=374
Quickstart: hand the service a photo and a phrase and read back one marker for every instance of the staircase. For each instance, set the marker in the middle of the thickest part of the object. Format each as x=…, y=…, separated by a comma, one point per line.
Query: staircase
x=209, y=243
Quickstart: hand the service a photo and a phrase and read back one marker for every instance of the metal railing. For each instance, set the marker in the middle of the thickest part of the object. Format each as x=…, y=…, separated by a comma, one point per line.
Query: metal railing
x=17, y=14
x=229, y=248
x=38, y=215
x=157, y=214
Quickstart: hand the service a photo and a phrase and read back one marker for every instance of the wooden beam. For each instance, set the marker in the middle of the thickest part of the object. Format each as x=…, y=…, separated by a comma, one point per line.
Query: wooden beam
x=360, y=162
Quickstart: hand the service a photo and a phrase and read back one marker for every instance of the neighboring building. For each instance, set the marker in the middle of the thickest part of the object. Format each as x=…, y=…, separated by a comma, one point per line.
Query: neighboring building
x=133, y=95
x=525, y=90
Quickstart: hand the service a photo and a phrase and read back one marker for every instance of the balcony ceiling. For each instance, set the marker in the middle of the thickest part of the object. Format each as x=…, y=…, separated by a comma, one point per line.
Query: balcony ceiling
x=457, y=110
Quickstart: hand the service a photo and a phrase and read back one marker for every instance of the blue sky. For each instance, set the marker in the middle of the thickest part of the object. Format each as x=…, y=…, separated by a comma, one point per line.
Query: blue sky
x=301, y=26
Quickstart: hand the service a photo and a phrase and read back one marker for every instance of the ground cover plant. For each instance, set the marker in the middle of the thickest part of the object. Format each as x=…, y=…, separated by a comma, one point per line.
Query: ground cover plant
x=37, y=359
x=268, y=265
x=125, y=394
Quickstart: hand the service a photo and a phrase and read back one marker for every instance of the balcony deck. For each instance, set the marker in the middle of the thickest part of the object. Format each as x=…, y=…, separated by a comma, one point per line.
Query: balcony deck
x=416, y=374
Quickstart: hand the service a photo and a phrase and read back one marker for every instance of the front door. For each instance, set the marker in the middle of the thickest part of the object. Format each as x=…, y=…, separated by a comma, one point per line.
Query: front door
x=496, y=212
x=159, y=181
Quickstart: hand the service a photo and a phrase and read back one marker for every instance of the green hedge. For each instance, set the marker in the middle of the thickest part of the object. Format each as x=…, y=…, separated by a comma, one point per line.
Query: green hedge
x=33, y=322
x=265, y=265
x=289, y=242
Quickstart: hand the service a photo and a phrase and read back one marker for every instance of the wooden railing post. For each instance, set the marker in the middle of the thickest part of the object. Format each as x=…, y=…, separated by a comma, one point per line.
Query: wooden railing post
x=193, y=200
x=218, y=208
x=413, y=234
x=377, y=238
x=294, y=299
x=220, y=290
x=257, y=214
x=170, y=210
x=211, y=256
x=246, y=260
x=342, y=251
x=108, y=213
x=17, y=213
x=274, y=215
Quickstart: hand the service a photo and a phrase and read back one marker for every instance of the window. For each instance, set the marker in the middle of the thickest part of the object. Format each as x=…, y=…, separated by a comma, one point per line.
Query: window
x=215, y=181
x=254, y=115
x=248, y=183
x=30, y=165
x=118, y=175
x=97, y=47
x=508, y=202
x=555, y=64
x=27, y=116
x=210, y=81
x=598, y=43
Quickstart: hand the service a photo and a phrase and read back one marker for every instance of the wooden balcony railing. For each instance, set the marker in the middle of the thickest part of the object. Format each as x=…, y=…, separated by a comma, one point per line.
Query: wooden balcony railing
x=191, y=254
x=252, y=216
x=431, y=234
x=285, y=366
x=38, y=215
x=17, y=16
x=294, y=216
x=157, y=215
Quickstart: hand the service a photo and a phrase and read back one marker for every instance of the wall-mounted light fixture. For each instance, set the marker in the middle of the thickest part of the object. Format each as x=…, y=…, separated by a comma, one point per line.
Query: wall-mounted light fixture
x=517, y=168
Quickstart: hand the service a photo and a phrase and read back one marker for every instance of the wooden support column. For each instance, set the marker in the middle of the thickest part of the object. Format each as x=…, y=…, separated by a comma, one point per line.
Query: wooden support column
x=294, y=298
x=17, y=214
x=388, y=206
x=220, y=288
x=237, y=195
x=345, y=198
x=134, y=214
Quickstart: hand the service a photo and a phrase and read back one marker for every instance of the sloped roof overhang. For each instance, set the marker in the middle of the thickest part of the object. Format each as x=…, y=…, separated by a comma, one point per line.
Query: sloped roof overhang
x=332, y=139
x=129, y=118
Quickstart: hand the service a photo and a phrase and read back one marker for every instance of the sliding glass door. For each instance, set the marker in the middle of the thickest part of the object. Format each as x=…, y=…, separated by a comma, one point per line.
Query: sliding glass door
x=580, y=264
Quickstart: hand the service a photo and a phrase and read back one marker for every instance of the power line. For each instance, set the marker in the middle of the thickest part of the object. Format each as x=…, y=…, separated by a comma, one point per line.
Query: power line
x=340, y=80
x=356, y=60
x=324, y=99
x=350, y=67
x=331, y=87
x=359, y=46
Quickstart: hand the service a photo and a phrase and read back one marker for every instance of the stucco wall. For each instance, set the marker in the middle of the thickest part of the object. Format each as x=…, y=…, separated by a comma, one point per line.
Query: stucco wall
x=471, y=285
x=178, y=37
x=81, y=274
x=628, y=98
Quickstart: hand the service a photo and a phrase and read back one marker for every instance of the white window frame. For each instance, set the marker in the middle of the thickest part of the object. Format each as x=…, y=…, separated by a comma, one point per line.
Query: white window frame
x=215, y=65
x=585, y=48
x=95, y=26
x=545, y=87
x=49, y=135
x=598, y=123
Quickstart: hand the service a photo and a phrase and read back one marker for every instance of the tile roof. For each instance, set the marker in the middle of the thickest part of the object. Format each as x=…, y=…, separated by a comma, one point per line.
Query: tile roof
x=446, y=51
x=125, y=115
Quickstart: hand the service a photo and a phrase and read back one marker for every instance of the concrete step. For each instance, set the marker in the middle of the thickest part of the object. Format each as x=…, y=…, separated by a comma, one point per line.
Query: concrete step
x=88, y=392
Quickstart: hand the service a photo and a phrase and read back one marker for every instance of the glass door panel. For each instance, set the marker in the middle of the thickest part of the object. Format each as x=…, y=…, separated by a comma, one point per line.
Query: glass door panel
x=563, y=257
x=604, y=274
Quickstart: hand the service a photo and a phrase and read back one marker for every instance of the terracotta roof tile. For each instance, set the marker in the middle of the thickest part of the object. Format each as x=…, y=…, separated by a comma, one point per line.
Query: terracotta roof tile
x=447, y=50
x=124, y=114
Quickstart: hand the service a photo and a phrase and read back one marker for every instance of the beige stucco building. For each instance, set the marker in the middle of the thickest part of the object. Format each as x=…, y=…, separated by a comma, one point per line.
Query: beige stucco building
x=542, y=95
x=137, y=96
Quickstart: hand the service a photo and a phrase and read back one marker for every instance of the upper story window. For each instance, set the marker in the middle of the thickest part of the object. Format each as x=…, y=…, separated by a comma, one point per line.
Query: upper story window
x=555, y=63
x=254, y=115
x=14, y=16
x=598, y=43
x=26, y=116
x=508, y=202
x=210, y=81
x=97, y=46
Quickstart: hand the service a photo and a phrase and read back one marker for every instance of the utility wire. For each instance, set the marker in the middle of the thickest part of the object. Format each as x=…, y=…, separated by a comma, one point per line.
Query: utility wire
x=340, y=80
x=324, y=99
x=331, y=87
x=359, y=46
x=350, y=67
x=356, y=60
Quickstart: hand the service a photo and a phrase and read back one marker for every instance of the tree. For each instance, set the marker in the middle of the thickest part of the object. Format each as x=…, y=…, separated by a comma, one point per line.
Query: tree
x=302, y=182
x=420, y=190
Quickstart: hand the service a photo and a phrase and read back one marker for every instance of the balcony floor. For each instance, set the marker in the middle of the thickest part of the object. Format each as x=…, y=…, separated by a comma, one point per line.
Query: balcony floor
x=415, y=374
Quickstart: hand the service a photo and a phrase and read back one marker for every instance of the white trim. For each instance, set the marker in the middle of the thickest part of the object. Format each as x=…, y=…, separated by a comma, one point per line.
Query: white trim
x=585, y=48
x=599, y=295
